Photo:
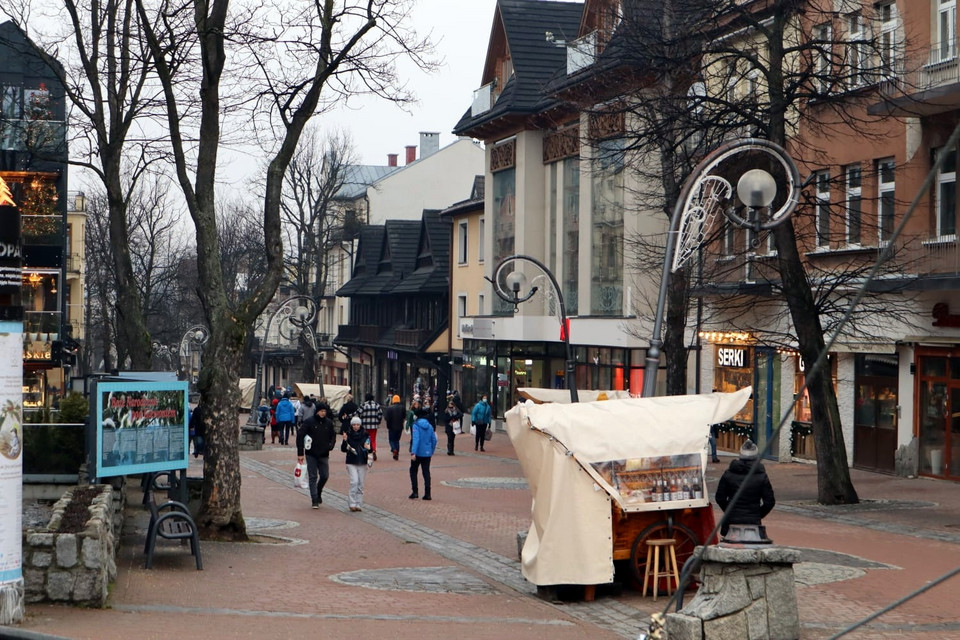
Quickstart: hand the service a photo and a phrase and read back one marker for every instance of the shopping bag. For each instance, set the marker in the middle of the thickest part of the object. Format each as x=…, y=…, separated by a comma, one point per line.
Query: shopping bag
x=473, y=429
x=488, y=433
x=300, y=480
x=455, y=425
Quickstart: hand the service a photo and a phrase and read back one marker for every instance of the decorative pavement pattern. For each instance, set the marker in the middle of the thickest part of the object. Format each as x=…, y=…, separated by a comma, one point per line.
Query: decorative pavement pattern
x=816, y=566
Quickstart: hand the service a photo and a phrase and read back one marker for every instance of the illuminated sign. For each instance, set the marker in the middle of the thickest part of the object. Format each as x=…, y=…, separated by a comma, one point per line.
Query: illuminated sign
x=731, y=357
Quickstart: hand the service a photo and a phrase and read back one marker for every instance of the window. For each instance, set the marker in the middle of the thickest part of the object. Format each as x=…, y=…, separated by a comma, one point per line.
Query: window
x=570, y=237
x=946, y=205
x=461, y=310
x=729, y=237
x=858, y=59
x=823, y=37
x=885, y=198
x=607, y=228
x=462, y=242
x=823, y=208
x=732, y=79
x=946, y=45
x=552, y=224
x=480, y=236
x=854, y=203
x=888, y=44
x=480, y=305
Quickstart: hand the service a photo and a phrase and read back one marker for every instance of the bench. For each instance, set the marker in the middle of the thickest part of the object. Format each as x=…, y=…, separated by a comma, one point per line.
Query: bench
x=170, y=520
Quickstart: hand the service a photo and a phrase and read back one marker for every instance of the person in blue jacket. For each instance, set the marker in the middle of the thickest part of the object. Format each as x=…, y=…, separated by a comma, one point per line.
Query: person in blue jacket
x=480, y=416
x=423, y=442
x=286, y=414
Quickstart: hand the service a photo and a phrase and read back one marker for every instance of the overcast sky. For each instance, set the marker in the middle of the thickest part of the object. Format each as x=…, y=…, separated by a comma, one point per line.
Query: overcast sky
x=461, y=30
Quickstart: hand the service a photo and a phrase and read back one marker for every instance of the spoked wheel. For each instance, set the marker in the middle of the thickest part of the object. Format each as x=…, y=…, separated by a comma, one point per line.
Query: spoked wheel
x=685, y=538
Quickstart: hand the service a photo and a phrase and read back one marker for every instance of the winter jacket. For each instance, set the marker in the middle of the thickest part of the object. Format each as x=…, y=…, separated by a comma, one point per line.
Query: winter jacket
x=481, y=413
x=356, y=445
x=285, y=411
x=371, y=414
x=347, y=411
x=394, y=415
x=322, y=435
x=754, y=503
x=450, y=416
x=423, y=441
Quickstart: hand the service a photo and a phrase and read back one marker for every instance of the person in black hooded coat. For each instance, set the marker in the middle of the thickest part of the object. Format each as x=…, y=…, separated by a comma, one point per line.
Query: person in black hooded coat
x=757, y=499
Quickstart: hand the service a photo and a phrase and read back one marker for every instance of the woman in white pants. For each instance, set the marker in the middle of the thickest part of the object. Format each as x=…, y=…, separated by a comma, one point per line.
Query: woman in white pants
x=356, y=444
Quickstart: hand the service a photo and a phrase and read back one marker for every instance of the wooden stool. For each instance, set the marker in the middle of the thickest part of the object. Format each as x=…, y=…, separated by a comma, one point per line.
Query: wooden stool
x=670, y=570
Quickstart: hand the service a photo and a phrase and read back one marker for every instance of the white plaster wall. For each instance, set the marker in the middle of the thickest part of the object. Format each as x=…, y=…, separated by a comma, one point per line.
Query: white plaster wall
x=846, y=397
x=905, y=426
x=434, y=182
x=788, y=365
x=531, y=205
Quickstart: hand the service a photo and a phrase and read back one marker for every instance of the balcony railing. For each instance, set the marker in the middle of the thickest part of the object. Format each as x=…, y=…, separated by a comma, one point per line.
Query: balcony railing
x=45, y=322
x=74, y=263
x=582, y=52
x=410, y=337
x=482, y=99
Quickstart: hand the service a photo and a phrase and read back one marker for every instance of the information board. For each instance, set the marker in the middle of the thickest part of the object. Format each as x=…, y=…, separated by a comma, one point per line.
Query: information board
x=141, y=427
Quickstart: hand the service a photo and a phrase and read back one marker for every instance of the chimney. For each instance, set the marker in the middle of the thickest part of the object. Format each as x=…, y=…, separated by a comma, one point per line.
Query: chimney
x=429, y=143
x=392, y=159
x=411, y=153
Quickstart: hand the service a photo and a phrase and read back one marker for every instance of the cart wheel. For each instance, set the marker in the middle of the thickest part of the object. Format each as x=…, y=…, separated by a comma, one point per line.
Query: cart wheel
x=686, y=542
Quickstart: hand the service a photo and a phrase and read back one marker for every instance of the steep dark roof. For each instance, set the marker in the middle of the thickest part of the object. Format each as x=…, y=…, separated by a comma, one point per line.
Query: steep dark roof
x=473, y=203
x=433, y=257
x=535, y=59
x=368, y=255
x=396, y=257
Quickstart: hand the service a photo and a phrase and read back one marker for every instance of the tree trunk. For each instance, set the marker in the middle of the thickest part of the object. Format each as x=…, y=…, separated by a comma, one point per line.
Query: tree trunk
x=221, y=516
x=834, y=485
x=678, y=297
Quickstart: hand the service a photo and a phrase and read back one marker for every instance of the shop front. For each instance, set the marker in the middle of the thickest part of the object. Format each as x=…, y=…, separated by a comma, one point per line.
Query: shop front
x=938, y=411
x=734, y=369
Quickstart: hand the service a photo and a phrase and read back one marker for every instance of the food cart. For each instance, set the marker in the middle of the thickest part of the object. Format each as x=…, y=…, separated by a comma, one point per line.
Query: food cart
x=607, y=476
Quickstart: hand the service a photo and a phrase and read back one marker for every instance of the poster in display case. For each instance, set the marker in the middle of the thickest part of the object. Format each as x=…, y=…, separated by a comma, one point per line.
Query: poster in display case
x=656, y=482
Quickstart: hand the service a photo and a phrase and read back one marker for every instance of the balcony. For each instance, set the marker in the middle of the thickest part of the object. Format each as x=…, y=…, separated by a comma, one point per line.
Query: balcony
x=74, y=264
x=482, y=100
x=410, y=337
x=358, y=333
x=582, y=52
x=929, y=86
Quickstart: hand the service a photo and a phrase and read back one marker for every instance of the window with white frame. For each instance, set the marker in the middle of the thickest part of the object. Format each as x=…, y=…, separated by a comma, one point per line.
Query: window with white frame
x=946, y=46
x=947, y=194
x=729, y=238
x=823, y=208
x=480, y=236
x=823, y=37
x=462, y=242
x=854, y=203
x=885, y=198
x=858, y=59
x=461, y=310
x=480, y=305
x=732, y=80
x=888, y=43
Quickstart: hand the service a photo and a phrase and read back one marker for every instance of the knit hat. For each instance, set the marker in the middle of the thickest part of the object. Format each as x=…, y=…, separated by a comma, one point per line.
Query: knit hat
x=748, y=451
x=357, y=420
x=395, y=399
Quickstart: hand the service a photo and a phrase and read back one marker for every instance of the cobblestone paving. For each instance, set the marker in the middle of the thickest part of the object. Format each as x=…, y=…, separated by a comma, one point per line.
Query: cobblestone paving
x=847, y=514
x=489, y=483
x=622, y=619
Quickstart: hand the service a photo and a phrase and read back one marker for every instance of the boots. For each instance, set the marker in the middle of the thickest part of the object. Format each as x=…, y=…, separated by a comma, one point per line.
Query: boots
x=426, y=490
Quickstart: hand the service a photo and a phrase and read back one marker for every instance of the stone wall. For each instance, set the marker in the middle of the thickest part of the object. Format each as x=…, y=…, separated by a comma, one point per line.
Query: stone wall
x=745, y=593
x=75, y=567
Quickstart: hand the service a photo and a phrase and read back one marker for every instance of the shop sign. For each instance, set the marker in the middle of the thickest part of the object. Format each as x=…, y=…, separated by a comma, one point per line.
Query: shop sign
x=478, y=328
x=731, y=357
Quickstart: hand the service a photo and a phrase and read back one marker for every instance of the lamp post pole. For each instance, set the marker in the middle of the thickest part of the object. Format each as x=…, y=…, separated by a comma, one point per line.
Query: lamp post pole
x=516, y=281
x=703, y=196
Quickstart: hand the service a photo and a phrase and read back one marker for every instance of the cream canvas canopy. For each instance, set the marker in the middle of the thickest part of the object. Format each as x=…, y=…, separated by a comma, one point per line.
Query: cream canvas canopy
x=247, y=389
x=579, y=457
x=541, y=395
x=336, y=394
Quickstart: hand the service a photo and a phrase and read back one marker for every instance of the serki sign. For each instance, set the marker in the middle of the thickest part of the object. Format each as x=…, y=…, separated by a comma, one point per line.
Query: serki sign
x=731, y=357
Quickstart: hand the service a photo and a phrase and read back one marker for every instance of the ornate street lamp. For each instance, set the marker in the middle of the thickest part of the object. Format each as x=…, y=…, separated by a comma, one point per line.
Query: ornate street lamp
x=192, y=341
x=704, y=196
x=516, y=282
x=297, y=315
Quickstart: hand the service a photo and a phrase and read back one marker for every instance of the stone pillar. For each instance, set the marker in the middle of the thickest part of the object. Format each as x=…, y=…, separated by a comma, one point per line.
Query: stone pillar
x=745, y=593
x=251, y=438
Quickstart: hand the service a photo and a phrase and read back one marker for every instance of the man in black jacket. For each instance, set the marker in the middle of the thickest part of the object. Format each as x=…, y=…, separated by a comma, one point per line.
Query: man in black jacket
x=315, y=438
x=347, y=411
x=757, y=499
x=394, y=416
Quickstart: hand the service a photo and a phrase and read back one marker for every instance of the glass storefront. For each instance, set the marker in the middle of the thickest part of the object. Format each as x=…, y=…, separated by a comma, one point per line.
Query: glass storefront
x=938, y=411
x=875, y=414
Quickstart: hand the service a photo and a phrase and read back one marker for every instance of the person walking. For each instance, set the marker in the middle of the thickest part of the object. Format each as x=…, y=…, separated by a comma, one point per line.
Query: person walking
x=452, y=419
x=423, y=442
x=394, y=416
x=316, y=437
x=356, y=444
x=757, y=499
x=371, y=414
x=286, y=415
x=480, y=416
x=347, y=410
x=198, y=430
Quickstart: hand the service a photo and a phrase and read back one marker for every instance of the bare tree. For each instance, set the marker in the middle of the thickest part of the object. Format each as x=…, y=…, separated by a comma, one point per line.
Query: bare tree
x=285, y=66
x=717, y=70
